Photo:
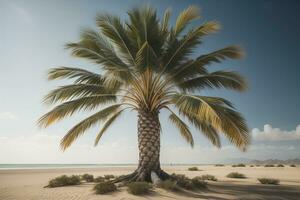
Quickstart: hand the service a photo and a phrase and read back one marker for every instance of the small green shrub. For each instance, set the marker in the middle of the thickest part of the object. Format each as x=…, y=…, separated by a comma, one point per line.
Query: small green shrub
x=183, y=181
x=280, y=165
x=268, y=165
x=292, y=165
x=99, y=179
x=64, y=180
x=209, y=177
x=104, y=187
x=193, y=169
x=170, y=185
x=109, y=176
x=87, y=177
x=199, y=183
x=239, y=165
x=235, y=175
x=139, y=188
x=219, y=165
x=269, y=181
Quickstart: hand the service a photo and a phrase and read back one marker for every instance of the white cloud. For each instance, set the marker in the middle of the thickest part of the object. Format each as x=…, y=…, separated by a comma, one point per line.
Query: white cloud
x=275, y=134
x=7, y=116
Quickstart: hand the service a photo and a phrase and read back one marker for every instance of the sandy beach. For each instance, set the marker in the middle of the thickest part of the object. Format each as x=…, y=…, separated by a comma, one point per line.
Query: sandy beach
x=27, y=184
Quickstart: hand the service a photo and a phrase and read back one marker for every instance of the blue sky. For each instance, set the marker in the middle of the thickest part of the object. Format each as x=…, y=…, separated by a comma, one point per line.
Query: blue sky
x=34, y=32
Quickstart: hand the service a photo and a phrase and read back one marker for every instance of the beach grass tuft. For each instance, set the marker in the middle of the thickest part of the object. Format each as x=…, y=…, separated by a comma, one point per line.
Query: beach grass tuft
x=109, y=176
x=199, y=183
x=139, y=188
x=239, y=165
x=87, y=177
x=64, y=180
x=269, y=181
x=193, y=169
x=235, y=175
x=209, y=177
x=292, y=165
x=170, y=185
x=280, y=165
x=269, y=165
x=104, y=187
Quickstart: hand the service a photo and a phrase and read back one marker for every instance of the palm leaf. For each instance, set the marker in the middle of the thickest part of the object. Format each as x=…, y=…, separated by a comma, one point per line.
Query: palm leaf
x=183, y=128
x=107, y=124
x=87, y=123
x=70, y=107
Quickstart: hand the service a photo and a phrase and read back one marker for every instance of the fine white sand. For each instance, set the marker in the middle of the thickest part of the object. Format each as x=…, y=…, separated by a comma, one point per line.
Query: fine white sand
x=28, y=184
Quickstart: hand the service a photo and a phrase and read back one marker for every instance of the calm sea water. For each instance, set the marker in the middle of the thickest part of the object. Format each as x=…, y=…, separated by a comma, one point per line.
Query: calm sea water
x=54, y=166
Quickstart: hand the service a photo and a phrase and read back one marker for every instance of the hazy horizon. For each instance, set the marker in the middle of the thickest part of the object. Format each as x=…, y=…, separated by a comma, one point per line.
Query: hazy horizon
x=32, y=41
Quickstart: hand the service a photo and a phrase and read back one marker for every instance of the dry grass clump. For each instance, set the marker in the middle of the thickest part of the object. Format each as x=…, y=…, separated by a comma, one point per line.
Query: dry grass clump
x=280, y=165
x=104, y=187
x=251, y=165
x=269, y=165
x=239, y=165
x=170, y=185
x=109, y=176
x=209, y=177
x=99, y=179
x=193, y=169
x=269, y=181
x=64, y=180
x=187, y=183
x=219, y=165
x=139, y=188
x=235, y=175
x=199, y=183
x=87, y=177
x=292, y=165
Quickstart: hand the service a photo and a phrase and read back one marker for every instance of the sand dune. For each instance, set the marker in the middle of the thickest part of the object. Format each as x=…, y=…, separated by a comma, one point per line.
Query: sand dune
x=28, y=184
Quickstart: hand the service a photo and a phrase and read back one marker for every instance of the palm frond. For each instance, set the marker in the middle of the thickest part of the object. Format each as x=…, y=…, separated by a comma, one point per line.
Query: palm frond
x=114, y=30
x=217, y=79
x=179, y=50
x=217, y=112
x=80, y=75
x=107, y=124
x=87, y=123
x=70, y=107
x=183, y=128
x=184, y=18
x=69, y=92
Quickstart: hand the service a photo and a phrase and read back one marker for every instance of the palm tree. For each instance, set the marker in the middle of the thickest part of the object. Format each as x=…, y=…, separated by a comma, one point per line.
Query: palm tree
x=146, y=66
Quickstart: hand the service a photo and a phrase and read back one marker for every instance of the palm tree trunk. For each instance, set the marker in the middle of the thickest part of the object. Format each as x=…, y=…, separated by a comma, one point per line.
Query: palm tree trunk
x=149, y=147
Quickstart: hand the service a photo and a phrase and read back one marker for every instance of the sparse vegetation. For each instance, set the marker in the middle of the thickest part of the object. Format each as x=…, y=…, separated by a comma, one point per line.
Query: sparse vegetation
x=109, y=176
x=257, y=165
x=251, y=165
x=293, y=165
x=170, y=185
x=209, y=177
x=239, y=165
x=104, y=187
x=269, y=165
x=187, y=183
x=139, y=188
x=87, y=177
x=99, y=179
x=64, y=180
x=183, y=181
x=235, y=175
x=198, y=183
x=193, y=169
x=280, y=165
x=219, y=165
x=269, y=181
